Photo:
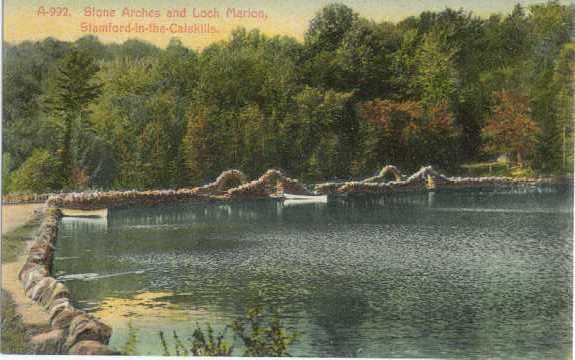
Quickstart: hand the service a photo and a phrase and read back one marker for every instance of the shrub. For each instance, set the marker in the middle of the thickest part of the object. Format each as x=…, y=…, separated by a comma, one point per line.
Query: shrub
x=39, y=173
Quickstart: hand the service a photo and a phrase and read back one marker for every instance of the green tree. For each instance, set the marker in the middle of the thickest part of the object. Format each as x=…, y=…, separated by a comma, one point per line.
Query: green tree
x=563, y=82
x=437, y=76
x=318, y=115
x=26, y=65
x=136, y=119
x=550, y=26
x=362, y=59
x=200, y=147
x=73, y=90
x=328, y=28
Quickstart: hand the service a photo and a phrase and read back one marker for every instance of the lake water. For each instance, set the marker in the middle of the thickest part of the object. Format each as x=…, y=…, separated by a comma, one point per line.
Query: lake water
x=480, y=276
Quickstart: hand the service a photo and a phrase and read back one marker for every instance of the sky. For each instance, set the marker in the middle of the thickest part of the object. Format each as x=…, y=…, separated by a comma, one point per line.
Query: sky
x=68, y=19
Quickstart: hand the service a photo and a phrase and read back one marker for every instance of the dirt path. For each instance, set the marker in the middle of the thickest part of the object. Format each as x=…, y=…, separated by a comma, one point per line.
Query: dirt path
x=32, y=314
x=14, y=216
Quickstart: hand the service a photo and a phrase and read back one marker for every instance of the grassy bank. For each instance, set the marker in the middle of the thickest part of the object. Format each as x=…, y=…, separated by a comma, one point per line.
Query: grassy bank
x=13, y=332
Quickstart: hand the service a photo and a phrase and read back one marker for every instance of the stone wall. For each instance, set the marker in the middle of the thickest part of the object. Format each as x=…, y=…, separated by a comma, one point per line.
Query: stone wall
x=427, y=178
x=72, y=331
x=115, y=199
x=25, y=198
x=272, y=182
x=219, y=185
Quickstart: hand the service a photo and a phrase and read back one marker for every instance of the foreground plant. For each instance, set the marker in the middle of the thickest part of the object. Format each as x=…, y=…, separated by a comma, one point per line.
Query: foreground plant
x=131, y=342
x=260, y=333
x=262, y=336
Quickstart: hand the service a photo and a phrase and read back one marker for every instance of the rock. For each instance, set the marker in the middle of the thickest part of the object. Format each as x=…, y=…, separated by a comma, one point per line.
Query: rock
x=85, y=327
x=63, y=318
x=91, y=347
x=33, y=276
x=58, y=305
x=42, y=251
x=25, y=268
x=58, y=290
x=40, y=288
x=48, y=343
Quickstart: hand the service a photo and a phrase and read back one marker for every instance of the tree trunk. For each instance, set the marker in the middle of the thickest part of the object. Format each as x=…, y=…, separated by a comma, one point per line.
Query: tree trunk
x=66, y=155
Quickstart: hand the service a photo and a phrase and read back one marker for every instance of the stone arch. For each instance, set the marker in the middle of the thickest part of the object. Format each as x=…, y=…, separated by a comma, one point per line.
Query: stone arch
x=271, y=176
x=275, y=181
x=293, y=186
x=384, y=175
x=229, y=179
x=388, y=170
x=271, y=182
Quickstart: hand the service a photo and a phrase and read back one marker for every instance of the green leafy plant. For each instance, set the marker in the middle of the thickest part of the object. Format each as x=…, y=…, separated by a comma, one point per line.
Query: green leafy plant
x=259, y=333
x=208, y=344
x=202, y=344
x=262, y=335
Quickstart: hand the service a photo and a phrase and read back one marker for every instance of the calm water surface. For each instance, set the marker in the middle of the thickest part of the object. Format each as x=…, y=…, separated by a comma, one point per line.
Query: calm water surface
x=466, y=276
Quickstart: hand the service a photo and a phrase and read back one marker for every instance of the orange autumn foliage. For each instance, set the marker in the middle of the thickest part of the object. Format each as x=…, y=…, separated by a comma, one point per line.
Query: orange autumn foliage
x=408, y=120
x=407, y=132
x=80, y=178
x=511, y=128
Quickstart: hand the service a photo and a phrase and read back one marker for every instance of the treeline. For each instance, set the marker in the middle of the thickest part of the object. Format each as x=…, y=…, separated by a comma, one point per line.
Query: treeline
x=443, y=89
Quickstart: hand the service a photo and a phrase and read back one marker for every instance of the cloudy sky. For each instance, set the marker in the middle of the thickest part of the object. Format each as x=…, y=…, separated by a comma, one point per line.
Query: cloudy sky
x=24, y=20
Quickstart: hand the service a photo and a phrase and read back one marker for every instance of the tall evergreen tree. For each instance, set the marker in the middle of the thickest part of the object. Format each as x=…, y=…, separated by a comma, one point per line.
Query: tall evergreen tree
x=74, y=88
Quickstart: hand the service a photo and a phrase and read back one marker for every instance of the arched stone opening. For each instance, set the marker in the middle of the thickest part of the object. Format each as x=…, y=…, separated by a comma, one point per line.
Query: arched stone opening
x=273, y=180
x=390, y=173
x=230, y=182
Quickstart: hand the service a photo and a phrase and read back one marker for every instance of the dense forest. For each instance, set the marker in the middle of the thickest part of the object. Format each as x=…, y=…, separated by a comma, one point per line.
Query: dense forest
x=442, y=88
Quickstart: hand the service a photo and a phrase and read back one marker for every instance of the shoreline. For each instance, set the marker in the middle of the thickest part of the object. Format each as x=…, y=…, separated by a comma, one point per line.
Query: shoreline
x=29, y=316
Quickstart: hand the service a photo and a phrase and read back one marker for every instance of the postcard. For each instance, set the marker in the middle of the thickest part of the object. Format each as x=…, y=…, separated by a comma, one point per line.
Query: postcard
x=326, y=179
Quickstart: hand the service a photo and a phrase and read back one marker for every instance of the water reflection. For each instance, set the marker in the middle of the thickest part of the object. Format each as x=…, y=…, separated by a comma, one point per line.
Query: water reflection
x=480, y=275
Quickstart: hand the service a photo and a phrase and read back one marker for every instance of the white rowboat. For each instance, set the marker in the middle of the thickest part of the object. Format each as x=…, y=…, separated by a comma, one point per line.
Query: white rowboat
x=305, y=198
x=99, y=213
